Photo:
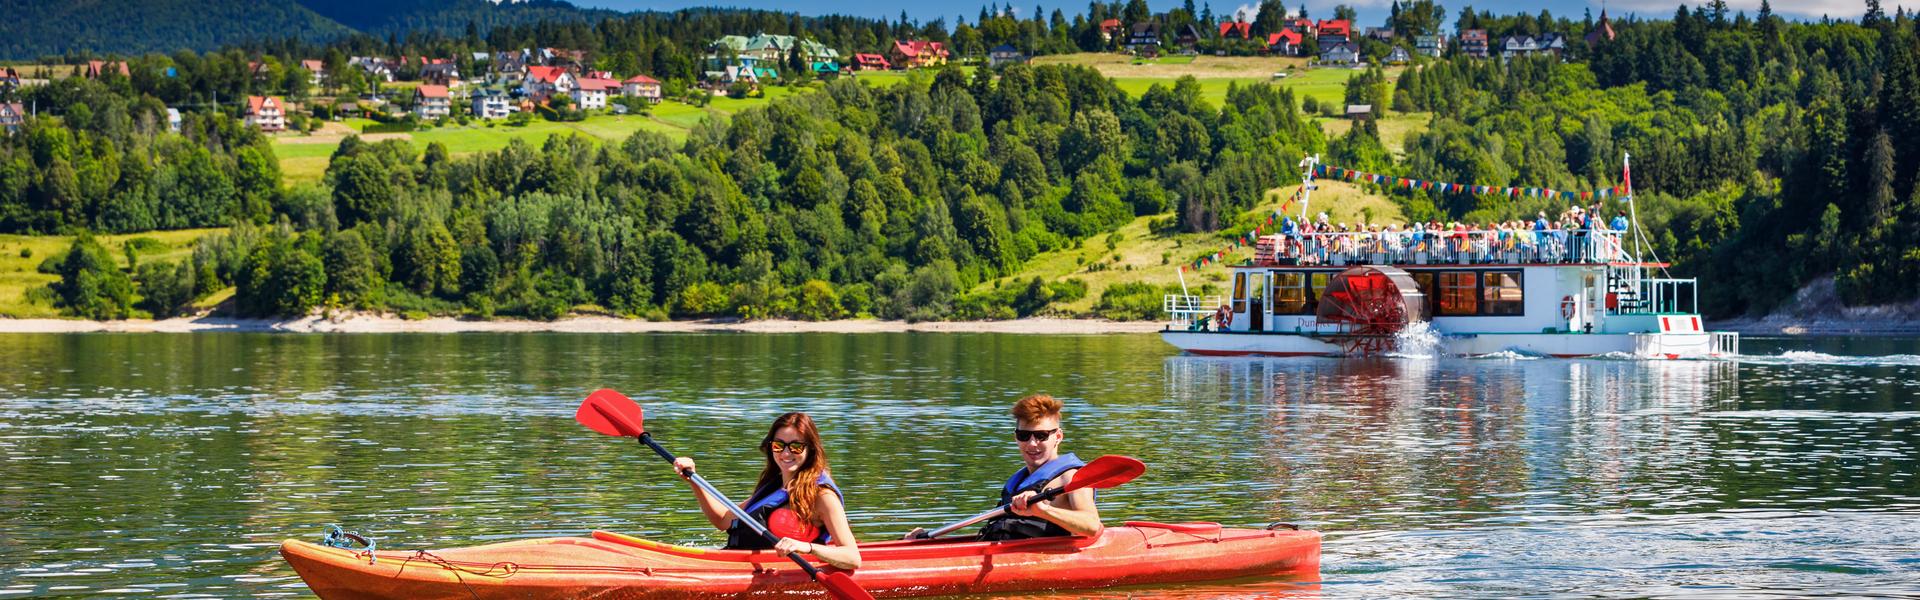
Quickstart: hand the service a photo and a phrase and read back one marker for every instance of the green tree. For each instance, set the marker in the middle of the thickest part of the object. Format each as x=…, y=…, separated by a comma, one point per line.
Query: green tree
x=91, y=286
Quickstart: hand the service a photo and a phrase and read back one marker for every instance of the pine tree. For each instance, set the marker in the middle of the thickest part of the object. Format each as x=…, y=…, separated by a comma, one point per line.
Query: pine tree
x=1874, y=16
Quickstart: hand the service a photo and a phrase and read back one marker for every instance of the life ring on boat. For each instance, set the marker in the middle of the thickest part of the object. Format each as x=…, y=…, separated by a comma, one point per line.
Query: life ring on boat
x=1566, y=307
x=1223, y=316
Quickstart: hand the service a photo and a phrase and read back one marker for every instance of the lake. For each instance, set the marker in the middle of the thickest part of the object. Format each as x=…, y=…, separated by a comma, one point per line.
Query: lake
x=174, y=464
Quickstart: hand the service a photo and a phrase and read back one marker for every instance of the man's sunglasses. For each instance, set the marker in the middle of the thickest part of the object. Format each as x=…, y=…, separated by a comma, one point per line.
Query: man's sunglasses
x=1028, y=435
x=787, y=447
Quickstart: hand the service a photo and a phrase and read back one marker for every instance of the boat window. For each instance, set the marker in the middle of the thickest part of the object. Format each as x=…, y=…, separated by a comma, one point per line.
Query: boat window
x=1501, y=291
x=1313, y=293
x=1289, y=293
x=1457, y=296
x=1257, y=290
x=1239, y=292
x=1423, y=281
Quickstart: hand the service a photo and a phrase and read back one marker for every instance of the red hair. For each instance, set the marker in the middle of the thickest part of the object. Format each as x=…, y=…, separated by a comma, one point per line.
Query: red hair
x=803, y=492
x=1036, y=407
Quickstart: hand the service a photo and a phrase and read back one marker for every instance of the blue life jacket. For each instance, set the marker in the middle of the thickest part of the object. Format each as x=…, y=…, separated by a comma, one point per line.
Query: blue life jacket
x=1013, y=527
x=762, y=506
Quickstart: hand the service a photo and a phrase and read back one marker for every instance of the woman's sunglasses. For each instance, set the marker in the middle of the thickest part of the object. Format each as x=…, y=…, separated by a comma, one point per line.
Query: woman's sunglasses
x=787, y=447
x=1028, y=435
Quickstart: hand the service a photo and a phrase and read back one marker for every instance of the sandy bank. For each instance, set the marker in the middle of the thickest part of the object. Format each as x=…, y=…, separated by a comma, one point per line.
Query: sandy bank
x=369, y=323
x=1818, y=310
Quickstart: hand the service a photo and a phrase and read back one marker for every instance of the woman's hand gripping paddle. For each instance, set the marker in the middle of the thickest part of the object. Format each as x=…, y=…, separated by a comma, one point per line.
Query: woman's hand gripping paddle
x=612, y=413
x=1104, y=472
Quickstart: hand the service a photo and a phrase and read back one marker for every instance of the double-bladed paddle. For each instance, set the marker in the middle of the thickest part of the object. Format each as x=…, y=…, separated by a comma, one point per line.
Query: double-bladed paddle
x=1104, y=472
x=612, y=413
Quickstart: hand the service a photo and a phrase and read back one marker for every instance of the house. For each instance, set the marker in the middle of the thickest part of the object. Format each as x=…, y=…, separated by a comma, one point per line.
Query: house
x=1187, y=37
x=1333, y=31
x=1359, y=112
x=491, y=106
x=1109, y=28
x=173, y=120
x=1302, y=25
x=1518, y=45
x=432, y=102
x=13, y=116
x=1384, y=34
x=771, y=51
x=1341, y=53
x=96, y=68
x=1474, y=42
x=9, y=80
x=591, y=94
x=1430, y=45
x=316, y=71
x=1145, y=38
x=267, y=113
x=1399, y=56
x=641, y=86
x=259, y=71
x=1005, y=54
x=1602, y=31
x=1553, y=42
x=912, y=54
x=441, y=73
x=870, y=62
x=508, y=67
x=543, y=81
x=1285, y=42
x=1236, y=29
x=375, y=67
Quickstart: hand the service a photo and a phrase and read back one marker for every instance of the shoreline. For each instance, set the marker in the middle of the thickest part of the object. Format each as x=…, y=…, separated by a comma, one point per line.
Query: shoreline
x=374, y=323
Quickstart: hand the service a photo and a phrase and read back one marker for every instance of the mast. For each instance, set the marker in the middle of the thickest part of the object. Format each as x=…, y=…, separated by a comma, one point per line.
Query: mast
x=1307, y=166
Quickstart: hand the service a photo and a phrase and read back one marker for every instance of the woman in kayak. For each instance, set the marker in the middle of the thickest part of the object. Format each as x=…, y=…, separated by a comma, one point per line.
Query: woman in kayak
x=1037, y=430
x=791, y=498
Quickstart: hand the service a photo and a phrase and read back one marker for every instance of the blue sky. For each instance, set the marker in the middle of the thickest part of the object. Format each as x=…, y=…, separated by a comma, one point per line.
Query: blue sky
x=1371, y=11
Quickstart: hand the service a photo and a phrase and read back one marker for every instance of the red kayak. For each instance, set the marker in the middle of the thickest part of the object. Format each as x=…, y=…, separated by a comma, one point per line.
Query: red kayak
x=611, y=565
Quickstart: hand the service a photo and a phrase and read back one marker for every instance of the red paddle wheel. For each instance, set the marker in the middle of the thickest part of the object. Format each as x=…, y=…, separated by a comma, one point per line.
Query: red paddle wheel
x=1369, y=305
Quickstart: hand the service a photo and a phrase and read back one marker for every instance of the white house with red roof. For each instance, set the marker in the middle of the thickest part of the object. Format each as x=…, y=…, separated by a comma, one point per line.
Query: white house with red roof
x=267, y=113
x=917, y=53
x=1285, y=42
x=592, y=93
x=641, y=86
x=1334, y=31
x=13, y=116
x=870, y=62
x=432, y=102
x=316, y=70
x=544, y=81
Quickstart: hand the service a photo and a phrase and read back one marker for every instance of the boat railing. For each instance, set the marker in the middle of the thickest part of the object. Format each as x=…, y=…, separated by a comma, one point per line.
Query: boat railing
x=1187, y=311
x=1656, y=295
x=1421, y=247
x=1726, y=343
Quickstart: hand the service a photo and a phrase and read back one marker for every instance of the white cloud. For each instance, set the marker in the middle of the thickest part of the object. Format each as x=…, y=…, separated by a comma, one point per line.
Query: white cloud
x=1839, y=9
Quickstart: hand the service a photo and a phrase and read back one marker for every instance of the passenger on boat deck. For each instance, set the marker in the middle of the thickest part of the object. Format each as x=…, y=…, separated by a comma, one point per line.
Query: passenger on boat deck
x=791, y=498
x=1037, y=430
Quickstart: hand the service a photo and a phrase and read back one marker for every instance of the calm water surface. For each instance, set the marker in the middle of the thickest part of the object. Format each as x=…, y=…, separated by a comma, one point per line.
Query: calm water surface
x=171, y=465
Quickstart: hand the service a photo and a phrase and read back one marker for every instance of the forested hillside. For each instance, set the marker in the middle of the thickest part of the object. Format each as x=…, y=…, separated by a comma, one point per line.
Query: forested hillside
x=36, y=28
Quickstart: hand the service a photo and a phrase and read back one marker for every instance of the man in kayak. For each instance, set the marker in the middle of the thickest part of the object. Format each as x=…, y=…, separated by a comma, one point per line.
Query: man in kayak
x=790, y=499
x=1038, y=432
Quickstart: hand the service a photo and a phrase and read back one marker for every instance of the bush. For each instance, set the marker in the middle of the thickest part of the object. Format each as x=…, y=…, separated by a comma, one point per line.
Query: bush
x=818, y=302
x=280, y=279
x=702, y=299
x=91, y=286
x=26, y=253
x=166, y=288
x=1130, y=302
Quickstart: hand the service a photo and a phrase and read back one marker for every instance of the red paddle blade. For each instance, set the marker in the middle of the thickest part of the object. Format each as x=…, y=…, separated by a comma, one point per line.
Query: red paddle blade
x=610, y=413
x=1107, y=471
x=842, y=587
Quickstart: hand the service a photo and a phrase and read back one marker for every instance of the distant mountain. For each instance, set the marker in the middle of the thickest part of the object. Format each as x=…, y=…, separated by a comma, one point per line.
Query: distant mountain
x=35, y=28
x=446, y=16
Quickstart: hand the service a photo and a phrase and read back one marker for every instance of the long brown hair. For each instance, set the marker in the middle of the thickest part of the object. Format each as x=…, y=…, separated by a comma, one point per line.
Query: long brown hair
x=804, y=491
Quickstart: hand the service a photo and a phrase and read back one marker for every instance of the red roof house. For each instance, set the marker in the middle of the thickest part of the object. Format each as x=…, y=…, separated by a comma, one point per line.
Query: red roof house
x=1239, y=29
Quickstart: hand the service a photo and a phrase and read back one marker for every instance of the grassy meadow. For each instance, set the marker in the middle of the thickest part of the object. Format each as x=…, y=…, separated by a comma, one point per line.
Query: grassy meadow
x=21, y=255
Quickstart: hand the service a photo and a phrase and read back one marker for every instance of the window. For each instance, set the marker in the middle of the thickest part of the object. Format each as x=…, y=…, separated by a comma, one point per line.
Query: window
x=1290, y=294
x=1501, y=291
x=1457, y=296
x=1239, y=292
x=1319, y=281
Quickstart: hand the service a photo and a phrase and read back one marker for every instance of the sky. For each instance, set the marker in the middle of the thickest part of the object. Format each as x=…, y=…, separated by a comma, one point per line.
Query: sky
x=1372, y=12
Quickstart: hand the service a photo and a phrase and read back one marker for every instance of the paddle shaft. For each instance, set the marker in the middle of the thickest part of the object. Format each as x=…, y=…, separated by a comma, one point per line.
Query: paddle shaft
x=731, y=507
x=1000, y=510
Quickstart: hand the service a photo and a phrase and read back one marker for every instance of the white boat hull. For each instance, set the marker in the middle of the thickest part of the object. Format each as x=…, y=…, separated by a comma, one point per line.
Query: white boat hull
x=1562, y=345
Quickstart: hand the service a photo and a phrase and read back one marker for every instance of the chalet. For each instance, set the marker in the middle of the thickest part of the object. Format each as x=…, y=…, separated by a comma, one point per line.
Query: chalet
x=1285, y=42
x=13, y=116
x=1302, y=26
x=1473, y=42
x=1399, y=56
x=173, y=120
x=767, y=50
x=442, y=73
x=375, y=67
x=641, y=86
x=1384, y=34
x=870, y=62
x=1518, y=45
x=96, y=68
x=316, y=71
x=1236, y=29
x=432, y=102
x=1145, y=38
x=1187, y=37
x=491, y=106
x=1109, y=28
x=592, y=94
x=509, y=67
x=543, y=81
x=917, y=53
x=1553, y=43
x=1602, y=31
x=266, y=113
x=259, y=71
x=1430, y=45
x=1341, y=53
x=1333, y=31
x=1005, y=54
x=1359, y=112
